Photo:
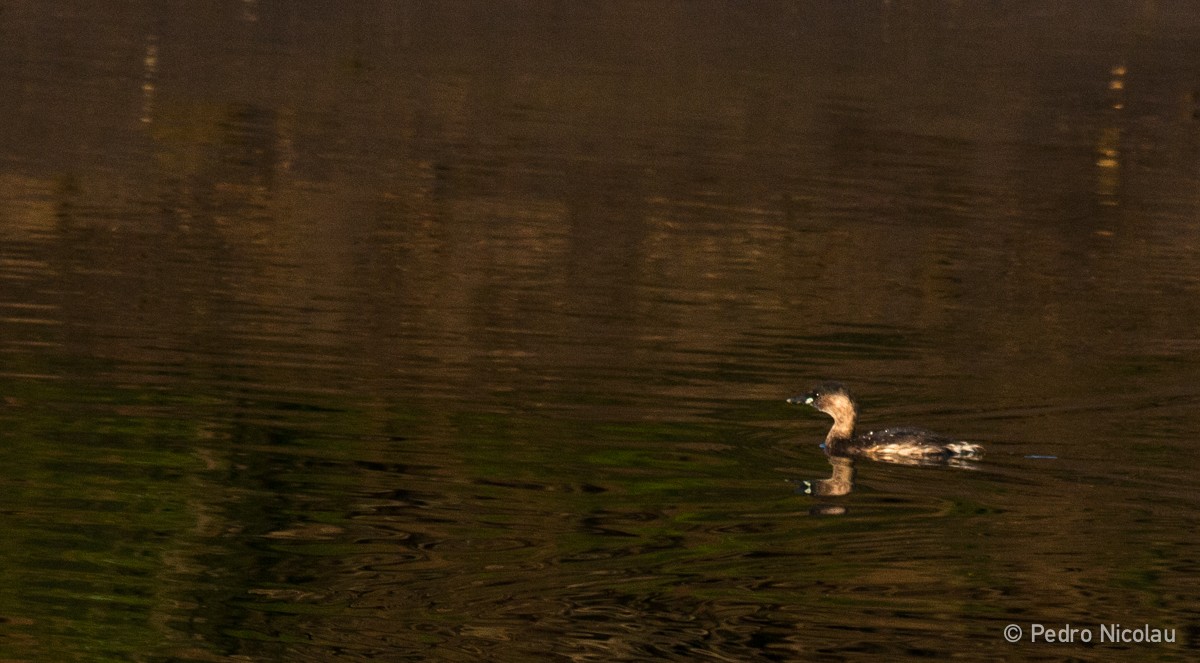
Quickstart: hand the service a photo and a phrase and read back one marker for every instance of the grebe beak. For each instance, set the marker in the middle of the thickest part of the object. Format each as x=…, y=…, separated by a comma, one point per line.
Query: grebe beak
x=801, y=400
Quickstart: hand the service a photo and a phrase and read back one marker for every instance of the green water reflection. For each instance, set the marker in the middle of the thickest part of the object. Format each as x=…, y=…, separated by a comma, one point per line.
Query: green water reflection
x=517, y=533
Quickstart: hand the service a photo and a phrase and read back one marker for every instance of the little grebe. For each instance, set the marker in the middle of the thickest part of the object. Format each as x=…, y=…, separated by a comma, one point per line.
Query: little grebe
x=891, y=444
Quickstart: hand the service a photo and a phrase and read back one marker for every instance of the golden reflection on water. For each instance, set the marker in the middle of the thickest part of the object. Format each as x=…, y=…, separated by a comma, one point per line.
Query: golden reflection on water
x=1108, y=146
x=150, y=70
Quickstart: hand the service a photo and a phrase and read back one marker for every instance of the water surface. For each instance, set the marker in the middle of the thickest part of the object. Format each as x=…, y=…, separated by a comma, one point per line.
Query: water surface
x=462, y=331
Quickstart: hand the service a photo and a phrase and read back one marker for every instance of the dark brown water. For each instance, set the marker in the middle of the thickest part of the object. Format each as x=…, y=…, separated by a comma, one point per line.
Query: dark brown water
x=462, y=331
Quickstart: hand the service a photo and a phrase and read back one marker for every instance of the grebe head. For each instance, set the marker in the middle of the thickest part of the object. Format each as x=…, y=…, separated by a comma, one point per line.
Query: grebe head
x=832, y=398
